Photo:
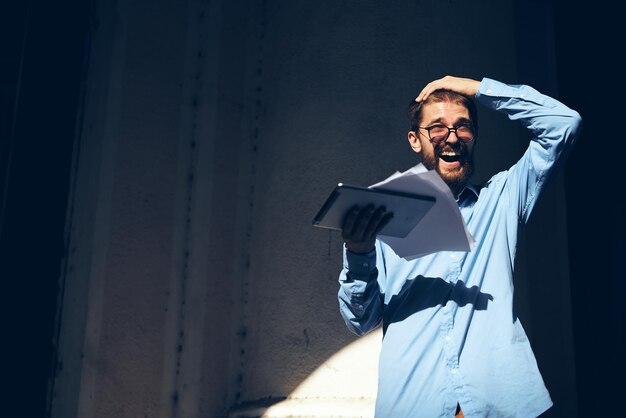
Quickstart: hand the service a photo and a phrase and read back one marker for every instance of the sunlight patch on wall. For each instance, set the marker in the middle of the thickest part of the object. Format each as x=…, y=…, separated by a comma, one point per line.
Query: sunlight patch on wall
x=343, y=386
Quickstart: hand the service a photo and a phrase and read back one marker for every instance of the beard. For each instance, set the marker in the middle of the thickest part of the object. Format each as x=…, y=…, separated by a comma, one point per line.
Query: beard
x=455, y=179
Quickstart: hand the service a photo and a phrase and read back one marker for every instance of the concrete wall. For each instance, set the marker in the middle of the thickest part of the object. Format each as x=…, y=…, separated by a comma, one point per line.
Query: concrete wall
x=211, y=133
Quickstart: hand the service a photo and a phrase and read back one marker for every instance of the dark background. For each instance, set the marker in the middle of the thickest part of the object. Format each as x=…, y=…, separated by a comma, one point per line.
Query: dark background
x=590, y=81
x=44, y=53
x=43, y=57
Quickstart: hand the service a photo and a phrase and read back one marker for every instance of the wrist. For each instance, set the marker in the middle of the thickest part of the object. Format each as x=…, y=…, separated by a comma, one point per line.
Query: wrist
x=359, y=248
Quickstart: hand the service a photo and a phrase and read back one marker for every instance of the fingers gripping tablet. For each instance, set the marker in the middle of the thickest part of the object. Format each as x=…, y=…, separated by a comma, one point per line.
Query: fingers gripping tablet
x=408, y=209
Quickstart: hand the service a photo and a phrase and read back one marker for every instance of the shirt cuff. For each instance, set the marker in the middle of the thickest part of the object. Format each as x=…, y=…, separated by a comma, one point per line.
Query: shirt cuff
x=493, y=88
x=359, y=263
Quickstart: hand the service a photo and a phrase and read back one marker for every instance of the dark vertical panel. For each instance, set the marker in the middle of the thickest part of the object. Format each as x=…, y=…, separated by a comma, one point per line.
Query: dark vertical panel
x=588, y=41
x=42, y=60
x=548, y=293
x=12, y=36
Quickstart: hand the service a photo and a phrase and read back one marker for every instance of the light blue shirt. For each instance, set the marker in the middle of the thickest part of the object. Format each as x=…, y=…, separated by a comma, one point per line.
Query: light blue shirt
x=450, y=332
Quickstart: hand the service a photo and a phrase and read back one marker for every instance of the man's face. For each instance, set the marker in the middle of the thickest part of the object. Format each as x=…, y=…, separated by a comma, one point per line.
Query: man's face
x=452, y=158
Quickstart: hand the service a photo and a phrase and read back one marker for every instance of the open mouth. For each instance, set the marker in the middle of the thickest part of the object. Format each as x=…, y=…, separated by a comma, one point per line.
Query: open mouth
x=450, y=157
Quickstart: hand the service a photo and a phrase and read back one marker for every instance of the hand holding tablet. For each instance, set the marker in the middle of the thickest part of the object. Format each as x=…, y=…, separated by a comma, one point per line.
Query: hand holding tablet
x=391, y=213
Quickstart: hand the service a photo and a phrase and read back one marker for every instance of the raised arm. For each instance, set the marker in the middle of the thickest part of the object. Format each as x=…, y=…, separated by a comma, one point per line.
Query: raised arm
x=553, y=126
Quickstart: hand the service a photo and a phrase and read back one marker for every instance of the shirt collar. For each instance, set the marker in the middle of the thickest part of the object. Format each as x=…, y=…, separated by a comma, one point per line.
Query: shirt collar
x=467, y=189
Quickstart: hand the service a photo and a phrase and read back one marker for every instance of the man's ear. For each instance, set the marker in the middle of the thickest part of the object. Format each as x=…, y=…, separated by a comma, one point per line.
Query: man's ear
x=415, y=142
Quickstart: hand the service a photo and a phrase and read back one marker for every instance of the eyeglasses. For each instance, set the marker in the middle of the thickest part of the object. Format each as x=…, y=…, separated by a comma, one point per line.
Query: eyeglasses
x=439, y=133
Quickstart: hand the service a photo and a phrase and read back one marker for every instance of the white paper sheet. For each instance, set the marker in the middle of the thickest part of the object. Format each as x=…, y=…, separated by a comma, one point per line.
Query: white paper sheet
x=441, y=229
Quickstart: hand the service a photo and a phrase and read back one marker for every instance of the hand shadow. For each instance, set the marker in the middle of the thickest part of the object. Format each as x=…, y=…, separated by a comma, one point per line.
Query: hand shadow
x=427, y=292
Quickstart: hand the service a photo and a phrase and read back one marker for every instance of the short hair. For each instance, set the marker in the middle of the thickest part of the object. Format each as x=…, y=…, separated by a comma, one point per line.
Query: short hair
x=414, y=111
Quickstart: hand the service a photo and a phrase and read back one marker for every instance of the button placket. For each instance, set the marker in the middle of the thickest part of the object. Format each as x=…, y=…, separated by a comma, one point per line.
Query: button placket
x=446, y=327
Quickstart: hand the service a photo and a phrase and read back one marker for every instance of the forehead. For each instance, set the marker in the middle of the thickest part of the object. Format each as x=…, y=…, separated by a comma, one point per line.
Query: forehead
x=445, y=112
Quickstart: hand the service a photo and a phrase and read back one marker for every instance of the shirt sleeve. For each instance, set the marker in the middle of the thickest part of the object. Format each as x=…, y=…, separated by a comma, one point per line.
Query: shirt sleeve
x=360, y=299
x=554, y=128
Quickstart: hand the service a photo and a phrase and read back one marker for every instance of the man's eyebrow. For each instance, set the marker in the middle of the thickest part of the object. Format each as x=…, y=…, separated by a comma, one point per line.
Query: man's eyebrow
x=458, y=121
x=463, y=120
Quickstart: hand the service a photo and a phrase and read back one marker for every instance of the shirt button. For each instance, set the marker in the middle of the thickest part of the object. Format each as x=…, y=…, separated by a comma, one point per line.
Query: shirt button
x=454, y=371
x=448, y=338
x=488, y=91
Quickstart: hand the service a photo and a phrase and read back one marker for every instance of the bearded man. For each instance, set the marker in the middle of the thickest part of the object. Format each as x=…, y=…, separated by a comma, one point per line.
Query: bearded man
x=452, y=345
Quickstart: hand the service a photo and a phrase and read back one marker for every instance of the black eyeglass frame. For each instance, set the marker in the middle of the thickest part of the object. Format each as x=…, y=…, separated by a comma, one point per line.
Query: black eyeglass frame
x=450, y=130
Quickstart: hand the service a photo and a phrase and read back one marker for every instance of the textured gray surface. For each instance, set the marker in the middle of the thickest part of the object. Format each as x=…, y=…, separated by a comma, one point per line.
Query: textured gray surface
x=212, y=133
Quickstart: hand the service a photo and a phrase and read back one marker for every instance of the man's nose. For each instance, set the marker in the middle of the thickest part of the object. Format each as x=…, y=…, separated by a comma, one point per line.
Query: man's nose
x=451, y=135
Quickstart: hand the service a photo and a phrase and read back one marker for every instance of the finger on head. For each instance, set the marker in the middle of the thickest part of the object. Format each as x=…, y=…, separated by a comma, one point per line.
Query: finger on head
x=427, y=91
x=420, y=97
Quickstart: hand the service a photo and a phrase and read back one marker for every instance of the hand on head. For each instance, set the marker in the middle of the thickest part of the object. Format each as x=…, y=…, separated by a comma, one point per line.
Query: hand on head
x=465, y=86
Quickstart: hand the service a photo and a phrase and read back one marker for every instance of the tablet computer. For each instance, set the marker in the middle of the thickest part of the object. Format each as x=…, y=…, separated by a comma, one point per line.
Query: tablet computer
x=408, y=209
